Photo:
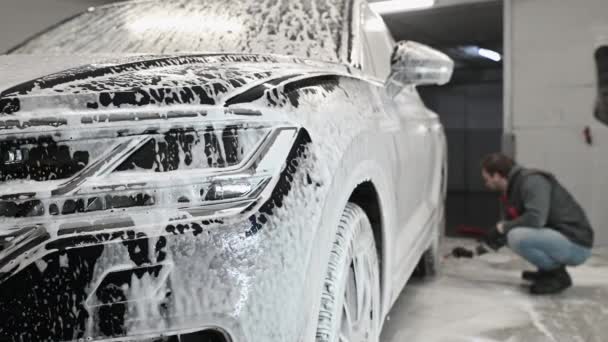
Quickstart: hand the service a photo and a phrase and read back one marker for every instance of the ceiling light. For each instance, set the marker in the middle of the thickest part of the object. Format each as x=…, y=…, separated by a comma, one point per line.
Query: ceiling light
x=395, y=6
x=489, y=54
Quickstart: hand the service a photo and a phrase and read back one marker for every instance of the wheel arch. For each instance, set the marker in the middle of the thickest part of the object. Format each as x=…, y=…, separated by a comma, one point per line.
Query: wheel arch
x=366, y=196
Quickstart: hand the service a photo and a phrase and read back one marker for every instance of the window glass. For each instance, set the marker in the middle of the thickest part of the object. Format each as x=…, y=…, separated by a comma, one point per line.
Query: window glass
x=380, y=43
x=311, y=29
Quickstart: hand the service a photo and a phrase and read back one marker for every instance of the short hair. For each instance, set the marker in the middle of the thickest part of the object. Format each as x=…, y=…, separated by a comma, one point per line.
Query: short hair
x=497, y=163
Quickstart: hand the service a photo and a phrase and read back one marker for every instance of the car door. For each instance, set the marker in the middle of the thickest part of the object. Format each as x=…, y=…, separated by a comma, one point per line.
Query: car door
x=415, y=142
x=413, y=138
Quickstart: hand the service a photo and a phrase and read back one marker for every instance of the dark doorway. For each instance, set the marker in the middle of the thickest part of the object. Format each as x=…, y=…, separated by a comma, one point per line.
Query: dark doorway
x=471, y=105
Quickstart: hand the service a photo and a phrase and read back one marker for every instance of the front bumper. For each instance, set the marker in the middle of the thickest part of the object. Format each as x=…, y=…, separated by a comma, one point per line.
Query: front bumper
x=243, y=275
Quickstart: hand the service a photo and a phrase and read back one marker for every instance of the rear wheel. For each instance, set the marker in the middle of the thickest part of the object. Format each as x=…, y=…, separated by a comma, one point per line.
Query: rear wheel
x=350, y=301
x=430, y=262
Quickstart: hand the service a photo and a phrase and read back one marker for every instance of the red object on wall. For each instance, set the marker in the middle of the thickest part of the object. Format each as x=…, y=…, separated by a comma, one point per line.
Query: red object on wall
x=588, y=136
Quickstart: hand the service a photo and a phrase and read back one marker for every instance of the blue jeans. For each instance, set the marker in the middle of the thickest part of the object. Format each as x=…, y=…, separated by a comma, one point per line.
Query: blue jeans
x=546, y=248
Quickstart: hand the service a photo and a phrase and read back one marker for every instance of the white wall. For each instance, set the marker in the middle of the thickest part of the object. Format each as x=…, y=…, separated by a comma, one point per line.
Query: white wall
x=19, y=19
x=553, y=86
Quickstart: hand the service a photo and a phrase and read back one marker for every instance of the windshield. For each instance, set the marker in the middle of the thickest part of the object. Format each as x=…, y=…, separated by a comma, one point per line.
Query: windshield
x=314, y=29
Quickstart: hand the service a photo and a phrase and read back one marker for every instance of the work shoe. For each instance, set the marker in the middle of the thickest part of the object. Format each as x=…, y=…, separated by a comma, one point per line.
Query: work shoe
x=551, y=282
x=533, y=276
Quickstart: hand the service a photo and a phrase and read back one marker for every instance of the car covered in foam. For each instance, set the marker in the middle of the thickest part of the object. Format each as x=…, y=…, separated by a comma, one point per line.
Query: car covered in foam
x=205, y=170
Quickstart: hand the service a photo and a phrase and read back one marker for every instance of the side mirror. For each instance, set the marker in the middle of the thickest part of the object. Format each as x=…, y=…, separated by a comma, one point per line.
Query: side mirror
x=415, y=64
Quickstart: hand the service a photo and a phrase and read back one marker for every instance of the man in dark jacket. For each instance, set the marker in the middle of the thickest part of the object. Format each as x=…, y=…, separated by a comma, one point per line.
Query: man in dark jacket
x=542, y=222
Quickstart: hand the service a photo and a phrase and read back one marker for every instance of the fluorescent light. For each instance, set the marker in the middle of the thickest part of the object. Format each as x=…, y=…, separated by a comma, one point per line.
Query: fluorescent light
x=395, y=6
x=476, y=52
x=489, y=54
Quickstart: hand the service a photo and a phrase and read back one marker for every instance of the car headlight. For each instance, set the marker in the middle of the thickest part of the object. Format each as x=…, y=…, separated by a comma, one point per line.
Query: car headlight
x=190, y=168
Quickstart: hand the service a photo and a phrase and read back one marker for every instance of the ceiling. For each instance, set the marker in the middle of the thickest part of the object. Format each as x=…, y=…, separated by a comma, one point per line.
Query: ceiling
x=452, y=24
x=477, y=23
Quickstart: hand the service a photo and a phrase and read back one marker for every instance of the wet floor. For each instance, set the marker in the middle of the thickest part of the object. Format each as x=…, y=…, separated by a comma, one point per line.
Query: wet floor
x=483, y=299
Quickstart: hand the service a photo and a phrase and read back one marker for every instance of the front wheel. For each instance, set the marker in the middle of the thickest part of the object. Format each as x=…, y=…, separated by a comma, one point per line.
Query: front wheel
x=350, y=301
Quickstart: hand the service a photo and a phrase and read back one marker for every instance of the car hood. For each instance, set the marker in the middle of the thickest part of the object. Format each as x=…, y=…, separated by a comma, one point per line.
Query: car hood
x=46, y=84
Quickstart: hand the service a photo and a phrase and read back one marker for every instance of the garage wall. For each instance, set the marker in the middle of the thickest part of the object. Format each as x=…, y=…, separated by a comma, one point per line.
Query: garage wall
x=19, y=19
x=553, y=85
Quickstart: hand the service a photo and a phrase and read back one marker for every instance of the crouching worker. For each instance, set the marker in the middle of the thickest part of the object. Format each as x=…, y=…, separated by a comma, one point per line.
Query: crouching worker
x=542, y=222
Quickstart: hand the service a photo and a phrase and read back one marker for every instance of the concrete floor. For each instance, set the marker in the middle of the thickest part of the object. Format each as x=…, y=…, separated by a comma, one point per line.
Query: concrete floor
x=483, y=300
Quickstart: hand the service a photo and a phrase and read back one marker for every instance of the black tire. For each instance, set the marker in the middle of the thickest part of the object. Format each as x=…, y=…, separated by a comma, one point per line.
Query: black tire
x=353, y=266
x=429, y=264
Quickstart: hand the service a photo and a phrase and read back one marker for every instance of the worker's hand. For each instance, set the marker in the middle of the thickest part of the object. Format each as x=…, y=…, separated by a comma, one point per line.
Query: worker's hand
x=500, y=227
x=494, y=238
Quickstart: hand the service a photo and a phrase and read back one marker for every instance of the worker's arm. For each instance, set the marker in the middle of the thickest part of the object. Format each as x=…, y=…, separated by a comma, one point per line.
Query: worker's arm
x=536, y=194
